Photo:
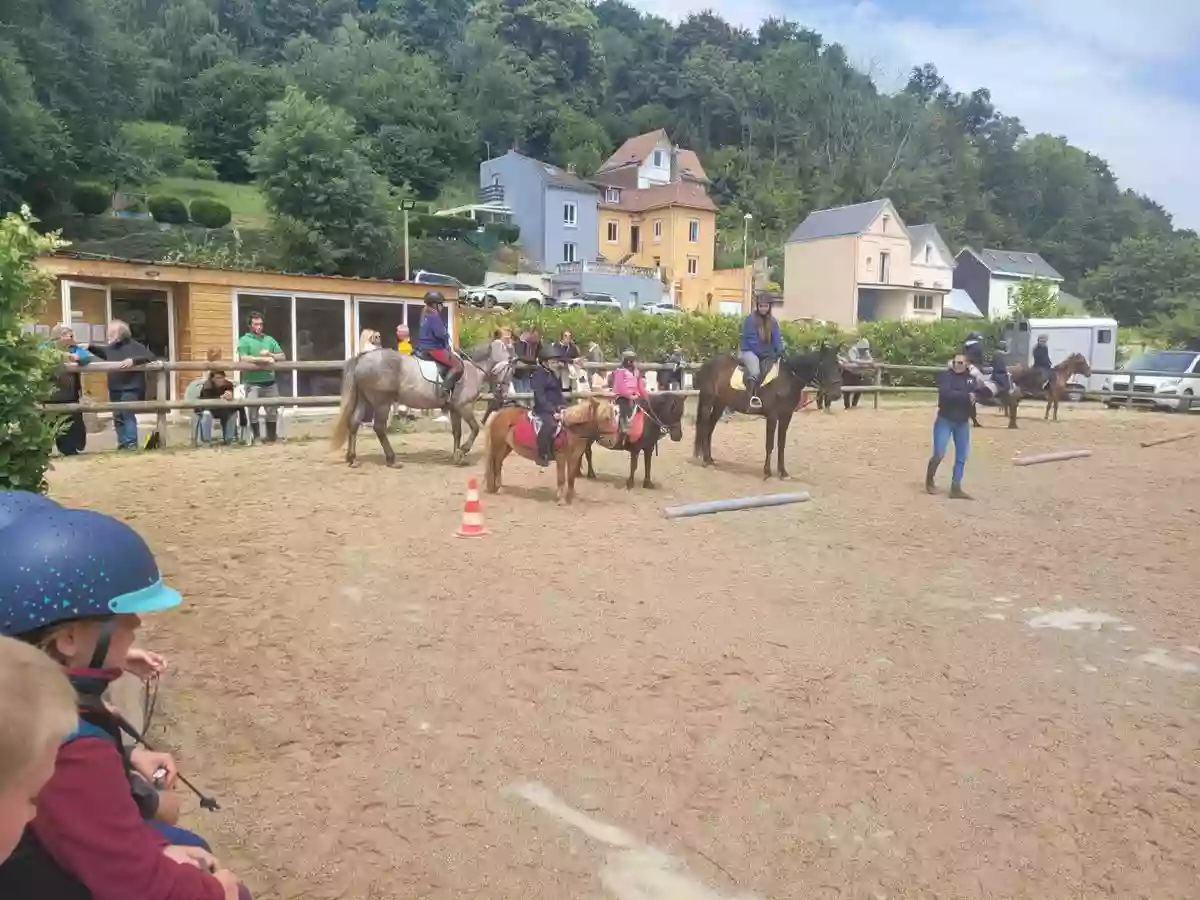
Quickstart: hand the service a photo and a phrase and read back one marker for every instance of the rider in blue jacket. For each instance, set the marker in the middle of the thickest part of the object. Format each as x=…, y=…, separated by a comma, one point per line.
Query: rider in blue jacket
x=761, y=345
x=433, y=341
x=548, y=402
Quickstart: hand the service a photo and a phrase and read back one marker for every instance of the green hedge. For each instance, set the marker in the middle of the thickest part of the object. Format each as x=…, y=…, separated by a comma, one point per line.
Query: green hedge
x=168, y=210
x=210, y=213
x=704, y=336
x=91, y=199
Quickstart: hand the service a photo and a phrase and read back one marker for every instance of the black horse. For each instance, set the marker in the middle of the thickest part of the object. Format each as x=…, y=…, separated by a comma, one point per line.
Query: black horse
x=779, y=398
x=664, y=415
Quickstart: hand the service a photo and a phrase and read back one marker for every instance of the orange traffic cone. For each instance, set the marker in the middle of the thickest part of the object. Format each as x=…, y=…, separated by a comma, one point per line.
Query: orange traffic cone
x=472, y=518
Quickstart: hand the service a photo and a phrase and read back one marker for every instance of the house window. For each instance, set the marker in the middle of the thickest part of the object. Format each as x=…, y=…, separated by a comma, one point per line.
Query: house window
x=694, y=231
x=570, y=252
x=658, y=229
x=612, y=195
x=923, y=302
x=928, y=253
x=570, y=215
x=885, y=223
x=496, y=180
x=1104, y=336
x=614, y=232
x=658, y=159
x=884, y=268
x=693, y=265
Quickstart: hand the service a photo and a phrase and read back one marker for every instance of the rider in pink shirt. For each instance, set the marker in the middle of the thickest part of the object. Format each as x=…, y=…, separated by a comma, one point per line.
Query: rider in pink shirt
x=628, y=385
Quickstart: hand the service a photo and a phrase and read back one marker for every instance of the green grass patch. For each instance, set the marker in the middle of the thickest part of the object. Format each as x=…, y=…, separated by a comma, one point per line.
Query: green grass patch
x=245, y=201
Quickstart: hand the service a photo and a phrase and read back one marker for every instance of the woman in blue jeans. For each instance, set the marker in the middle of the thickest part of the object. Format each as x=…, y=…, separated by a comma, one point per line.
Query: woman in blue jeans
x=956, y=389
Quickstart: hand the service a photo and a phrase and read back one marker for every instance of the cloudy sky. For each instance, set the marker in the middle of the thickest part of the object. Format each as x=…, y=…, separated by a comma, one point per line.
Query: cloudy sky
x=1120, y=78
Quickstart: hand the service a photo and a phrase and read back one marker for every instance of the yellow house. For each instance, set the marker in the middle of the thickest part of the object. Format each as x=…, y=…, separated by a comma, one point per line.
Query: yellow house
x=655, y=213
x=180, y=311
x=861, y=263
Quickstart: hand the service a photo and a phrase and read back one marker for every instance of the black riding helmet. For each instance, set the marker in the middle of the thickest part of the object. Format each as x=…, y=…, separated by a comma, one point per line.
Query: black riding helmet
x=434, y=298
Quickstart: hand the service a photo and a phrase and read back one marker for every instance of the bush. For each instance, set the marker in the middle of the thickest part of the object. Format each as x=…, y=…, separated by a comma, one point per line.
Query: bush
x=168, y=210
x=422, y=225
x=703, y=336
x=159, y=148
x=504, y=232
x=91, y=199
x=210, y=213
x=200, y=169
x=26, y=368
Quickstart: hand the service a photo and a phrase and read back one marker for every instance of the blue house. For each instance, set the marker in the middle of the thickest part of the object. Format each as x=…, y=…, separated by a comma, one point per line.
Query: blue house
x=556, y=210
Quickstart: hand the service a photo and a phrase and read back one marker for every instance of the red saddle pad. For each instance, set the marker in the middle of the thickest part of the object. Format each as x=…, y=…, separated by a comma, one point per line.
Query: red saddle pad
x=637, y=425
x=526, y=437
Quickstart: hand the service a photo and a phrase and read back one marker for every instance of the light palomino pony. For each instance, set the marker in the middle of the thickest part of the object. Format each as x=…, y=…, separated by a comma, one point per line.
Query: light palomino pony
x=375, y=381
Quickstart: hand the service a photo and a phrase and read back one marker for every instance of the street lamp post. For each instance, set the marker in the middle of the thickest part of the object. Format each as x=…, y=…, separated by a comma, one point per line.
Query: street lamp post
x=746, y=220
x=407, y=206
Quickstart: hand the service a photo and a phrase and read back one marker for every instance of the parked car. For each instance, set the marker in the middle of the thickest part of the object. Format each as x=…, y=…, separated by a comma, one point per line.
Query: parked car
x=661, y=308
x=507, y=294
x=423, y=276
x=1158, y=391
x=593, y=302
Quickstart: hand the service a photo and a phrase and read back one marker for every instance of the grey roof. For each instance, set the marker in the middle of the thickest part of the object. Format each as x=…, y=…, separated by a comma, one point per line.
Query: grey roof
x=561, y=178
x=837, y=222
x=1019, y=263
x=927, y=234
x=959, y=305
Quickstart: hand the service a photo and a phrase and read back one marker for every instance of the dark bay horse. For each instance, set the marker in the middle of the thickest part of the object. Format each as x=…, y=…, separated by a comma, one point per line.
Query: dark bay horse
x=664, y=414
x=1027, y=381
x=779, y=397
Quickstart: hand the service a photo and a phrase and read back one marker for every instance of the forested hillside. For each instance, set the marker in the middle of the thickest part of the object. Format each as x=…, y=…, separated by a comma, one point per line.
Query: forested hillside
x=338, y=106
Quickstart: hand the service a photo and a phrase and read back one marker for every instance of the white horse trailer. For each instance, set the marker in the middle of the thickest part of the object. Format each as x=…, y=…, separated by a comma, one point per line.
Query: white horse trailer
x=1095, y=338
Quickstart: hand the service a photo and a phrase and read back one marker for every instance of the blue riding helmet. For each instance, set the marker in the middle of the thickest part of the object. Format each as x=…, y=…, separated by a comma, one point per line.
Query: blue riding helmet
x=60, y=564
x=15, y=504
x=974, y=336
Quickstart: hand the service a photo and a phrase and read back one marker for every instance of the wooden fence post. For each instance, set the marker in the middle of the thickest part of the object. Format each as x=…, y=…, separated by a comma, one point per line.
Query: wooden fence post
x=163, y=391
x=878, y=384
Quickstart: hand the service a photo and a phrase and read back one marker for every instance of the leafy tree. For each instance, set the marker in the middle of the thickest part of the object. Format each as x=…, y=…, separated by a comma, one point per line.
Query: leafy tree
x=1143, y=276
x=332, y=210
x=1035, y=299
x=227, y=105
x=26, y=369
x=34, y=144
x=1177, y=324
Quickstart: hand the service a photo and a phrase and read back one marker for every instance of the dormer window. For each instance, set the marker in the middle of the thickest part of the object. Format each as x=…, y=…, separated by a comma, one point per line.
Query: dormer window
x=928, y=253
x=612, y=195
x=885, y=223
x=658, y=159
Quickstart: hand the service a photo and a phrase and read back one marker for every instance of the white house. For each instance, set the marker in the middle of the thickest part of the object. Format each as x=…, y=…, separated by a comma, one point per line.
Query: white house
x=932, y=265
x=991, y=277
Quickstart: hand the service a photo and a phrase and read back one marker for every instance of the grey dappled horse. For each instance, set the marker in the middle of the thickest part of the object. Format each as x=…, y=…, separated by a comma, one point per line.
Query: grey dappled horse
x=376, y=380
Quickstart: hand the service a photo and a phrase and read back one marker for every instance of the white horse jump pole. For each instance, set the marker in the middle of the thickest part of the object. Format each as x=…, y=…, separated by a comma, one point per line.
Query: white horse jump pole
x=1050, y=457
x=1168, y=440
x=718, y=506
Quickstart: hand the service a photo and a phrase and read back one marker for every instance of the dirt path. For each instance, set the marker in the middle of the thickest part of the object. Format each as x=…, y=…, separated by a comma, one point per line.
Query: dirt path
x=845, y=698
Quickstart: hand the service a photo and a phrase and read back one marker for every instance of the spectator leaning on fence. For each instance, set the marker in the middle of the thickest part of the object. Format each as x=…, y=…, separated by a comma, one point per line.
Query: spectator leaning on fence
x=257, y=346
x=68, y=388
x=123, y=386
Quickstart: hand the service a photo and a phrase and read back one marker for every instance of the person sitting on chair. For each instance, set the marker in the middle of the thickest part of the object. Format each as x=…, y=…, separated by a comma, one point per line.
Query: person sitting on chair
x=548, y=403
x=434, y=342
x=761, y=345
x=218, y=387
x=629, y=385
x=1041, y=361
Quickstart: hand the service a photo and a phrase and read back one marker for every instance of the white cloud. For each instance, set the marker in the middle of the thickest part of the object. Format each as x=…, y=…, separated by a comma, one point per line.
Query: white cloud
x=1081, y=68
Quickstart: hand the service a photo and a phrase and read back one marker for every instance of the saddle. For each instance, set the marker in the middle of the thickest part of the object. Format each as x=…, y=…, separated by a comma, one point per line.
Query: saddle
x=525, y=433
x=737, y=380
x=432, y=370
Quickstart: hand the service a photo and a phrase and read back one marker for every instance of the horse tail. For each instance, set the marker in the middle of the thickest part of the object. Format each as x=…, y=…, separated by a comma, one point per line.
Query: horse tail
x=341, y=428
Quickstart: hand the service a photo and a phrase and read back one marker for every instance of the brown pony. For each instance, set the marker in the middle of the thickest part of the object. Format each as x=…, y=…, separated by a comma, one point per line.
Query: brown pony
x=587, y=421
x=1026, y=380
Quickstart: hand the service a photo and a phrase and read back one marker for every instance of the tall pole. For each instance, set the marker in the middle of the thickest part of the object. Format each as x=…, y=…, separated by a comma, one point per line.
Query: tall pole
x=407, y=270
x=746, y=253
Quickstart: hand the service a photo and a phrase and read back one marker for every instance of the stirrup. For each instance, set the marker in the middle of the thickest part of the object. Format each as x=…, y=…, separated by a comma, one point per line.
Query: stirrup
x=755, y=401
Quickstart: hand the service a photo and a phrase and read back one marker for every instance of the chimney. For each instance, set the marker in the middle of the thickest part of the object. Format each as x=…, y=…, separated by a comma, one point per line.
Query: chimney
x=674, y=164
x=570, y=168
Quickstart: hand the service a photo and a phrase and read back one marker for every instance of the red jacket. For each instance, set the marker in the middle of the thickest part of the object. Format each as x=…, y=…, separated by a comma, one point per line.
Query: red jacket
x=88, y=821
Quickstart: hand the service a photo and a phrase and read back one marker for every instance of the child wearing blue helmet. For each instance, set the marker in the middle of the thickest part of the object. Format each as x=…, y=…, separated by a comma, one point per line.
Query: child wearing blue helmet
x=74, y=583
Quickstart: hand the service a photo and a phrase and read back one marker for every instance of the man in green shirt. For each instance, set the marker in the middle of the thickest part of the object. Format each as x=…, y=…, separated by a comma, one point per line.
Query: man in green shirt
x=258, y=347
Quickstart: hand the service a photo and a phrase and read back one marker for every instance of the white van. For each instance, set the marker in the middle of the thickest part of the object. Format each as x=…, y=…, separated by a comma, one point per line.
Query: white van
x=1174, y=391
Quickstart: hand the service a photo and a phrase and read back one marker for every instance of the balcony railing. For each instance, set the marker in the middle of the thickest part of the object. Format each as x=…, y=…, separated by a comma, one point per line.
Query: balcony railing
x=599, y=268
x=491, y=193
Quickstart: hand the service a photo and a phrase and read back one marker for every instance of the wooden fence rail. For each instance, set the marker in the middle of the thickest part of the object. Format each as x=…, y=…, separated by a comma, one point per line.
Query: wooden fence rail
x=160, y=371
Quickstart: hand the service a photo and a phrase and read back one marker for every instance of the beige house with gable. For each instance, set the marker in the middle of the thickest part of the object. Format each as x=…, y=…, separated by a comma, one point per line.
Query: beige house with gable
x=861, y=263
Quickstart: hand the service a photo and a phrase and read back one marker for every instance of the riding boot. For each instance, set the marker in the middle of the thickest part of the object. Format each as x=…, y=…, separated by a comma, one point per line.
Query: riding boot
x=931, y=473
x=449, y=383
x=254, y=431
x=957, y=493
x=545, y=442
x=752, y=386
x=272, y=431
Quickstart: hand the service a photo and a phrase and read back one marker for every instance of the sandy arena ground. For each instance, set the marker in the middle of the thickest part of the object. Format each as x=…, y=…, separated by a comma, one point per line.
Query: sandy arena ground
x=842, y=699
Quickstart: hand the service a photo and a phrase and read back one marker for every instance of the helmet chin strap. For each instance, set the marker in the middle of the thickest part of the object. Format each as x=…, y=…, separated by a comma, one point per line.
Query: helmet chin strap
x=103, y=642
